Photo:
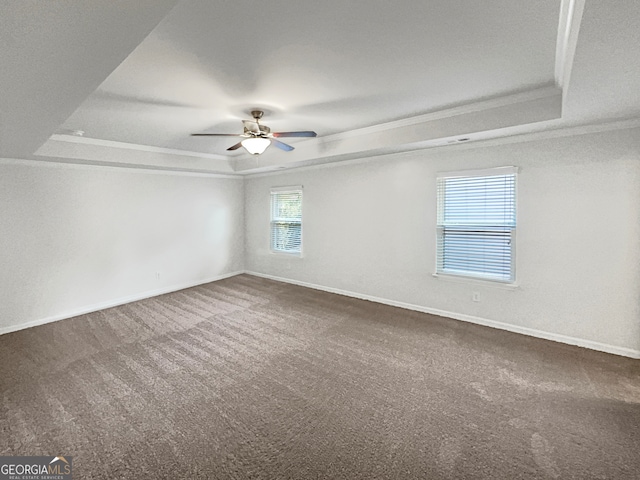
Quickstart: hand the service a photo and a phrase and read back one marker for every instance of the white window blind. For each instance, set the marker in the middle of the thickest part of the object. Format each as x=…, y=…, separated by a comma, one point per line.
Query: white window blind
x=286, y=220
x=476, y=224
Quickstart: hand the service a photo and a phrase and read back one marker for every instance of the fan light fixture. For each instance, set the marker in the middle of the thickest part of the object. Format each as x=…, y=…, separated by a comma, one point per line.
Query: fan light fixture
x=256, y=145
x=258, y=137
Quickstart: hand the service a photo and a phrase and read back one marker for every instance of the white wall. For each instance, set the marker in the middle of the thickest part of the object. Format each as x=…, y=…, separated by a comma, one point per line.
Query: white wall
x=369, y=229
x=78, y=238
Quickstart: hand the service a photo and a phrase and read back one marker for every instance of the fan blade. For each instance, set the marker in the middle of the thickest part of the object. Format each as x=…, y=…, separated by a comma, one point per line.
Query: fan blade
x=216, y=135
x=295, y=134
x=251, y=126
x=236, y=146
x=281, y=146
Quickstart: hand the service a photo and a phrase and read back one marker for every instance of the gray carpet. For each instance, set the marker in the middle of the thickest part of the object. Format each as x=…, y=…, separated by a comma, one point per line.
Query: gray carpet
x=251, y=378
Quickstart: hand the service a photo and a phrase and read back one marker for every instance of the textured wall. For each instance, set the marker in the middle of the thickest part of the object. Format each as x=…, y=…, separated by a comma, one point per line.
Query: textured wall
x=369, y=229
x=78, y=237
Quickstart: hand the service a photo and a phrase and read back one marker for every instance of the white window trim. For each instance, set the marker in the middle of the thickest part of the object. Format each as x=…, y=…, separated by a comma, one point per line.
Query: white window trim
x=287, y=189
x=480, y=172
x=448, y=277
x=510, y=284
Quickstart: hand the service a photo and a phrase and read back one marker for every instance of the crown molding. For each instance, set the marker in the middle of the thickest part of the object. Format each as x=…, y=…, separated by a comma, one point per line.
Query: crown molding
x=489, y=118
x=545, y=91
x=568, y=30
x=544, y=132
x=134, y=146
x=55, y=162
x=496, y=102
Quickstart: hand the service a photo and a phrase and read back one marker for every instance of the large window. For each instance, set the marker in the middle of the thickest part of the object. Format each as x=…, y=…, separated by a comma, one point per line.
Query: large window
x=477, y=224
x=286, y=220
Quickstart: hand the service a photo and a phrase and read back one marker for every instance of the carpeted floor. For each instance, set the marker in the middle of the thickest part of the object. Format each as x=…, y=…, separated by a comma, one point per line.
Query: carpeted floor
x=251, y=378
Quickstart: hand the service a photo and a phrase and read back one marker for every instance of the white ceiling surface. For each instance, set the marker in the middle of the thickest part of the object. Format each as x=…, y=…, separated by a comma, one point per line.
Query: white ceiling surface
x=435, y=70
x=53, y=54
x=605, y=79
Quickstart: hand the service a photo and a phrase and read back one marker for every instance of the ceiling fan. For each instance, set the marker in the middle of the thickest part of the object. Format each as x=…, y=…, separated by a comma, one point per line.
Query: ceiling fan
x=258, y=137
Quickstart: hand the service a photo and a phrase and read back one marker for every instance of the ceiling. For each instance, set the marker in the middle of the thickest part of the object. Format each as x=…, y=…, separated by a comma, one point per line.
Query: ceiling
x=374, y=77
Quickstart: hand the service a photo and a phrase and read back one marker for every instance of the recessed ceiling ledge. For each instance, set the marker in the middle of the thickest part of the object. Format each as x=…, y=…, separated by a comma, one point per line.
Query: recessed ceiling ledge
x=462, y=121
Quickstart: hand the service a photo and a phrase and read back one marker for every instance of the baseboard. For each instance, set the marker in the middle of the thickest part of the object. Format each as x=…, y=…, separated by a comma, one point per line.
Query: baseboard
x=114, y=303
x=601, y=347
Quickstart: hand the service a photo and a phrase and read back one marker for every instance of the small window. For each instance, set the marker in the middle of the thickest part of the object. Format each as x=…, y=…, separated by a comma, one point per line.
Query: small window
x=286, y=220
x=477, y=224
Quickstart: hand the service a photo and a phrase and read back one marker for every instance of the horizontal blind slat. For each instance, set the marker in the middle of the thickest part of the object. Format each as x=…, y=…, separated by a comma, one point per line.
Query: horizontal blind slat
x=286, y=221
x=476, y=221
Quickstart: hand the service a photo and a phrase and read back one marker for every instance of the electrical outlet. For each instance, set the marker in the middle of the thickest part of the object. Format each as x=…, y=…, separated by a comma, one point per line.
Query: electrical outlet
x=475, y=296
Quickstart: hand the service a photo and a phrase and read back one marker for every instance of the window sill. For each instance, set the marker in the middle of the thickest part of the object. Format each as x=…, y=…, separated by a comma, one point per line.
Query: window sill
x=286, y=254
x=475, y=281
